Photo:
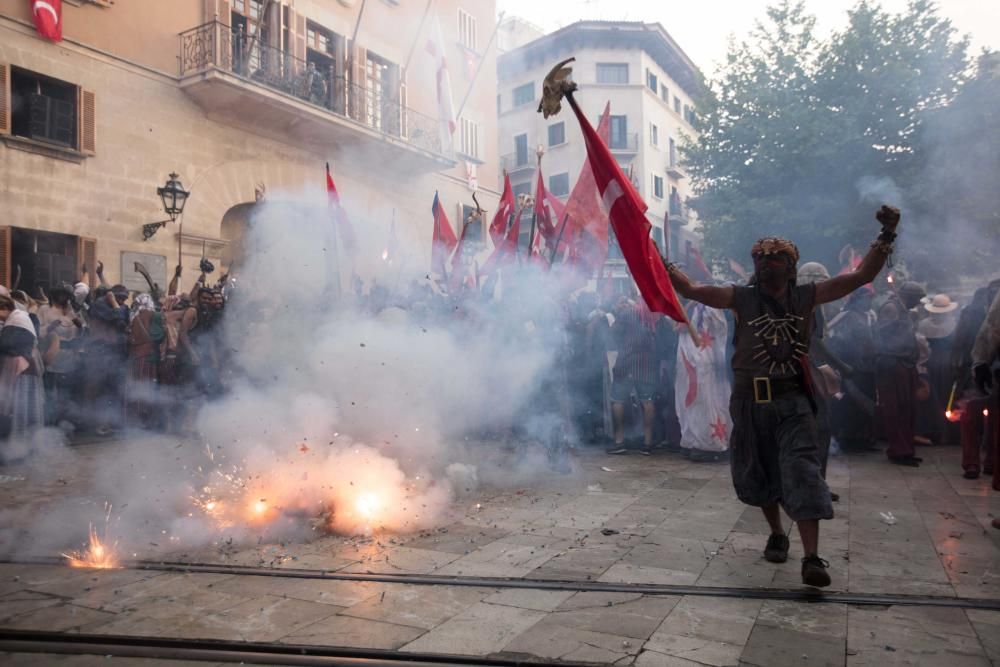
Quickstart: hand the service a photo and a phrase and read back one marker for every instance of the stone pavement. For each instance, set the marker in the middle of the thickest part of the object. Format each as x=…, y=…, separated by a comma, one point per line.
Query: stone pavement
x=670, y=522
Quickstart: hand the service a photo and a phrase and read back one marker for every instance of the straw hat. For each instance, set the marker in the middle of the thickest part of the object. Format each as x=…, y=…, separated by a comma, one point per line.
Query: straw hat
x=941, y=303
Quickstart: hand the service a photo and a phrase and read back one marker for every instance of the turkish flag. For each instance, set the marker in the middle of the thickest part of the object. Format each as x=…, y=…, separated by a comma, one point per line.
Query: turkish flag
x=444, y=240
x=506, y=251
x=48, y=18
x=628, y=217
x=505, y=209
x=340, y=219
x=586, y=236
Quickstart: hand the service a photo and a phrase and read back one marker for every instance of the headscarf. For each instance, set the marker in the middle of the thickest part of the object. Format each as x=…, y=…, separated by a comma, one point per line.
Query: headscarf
x=143, y=302
x=80, y=293
x=20, y=319
x=772, y=245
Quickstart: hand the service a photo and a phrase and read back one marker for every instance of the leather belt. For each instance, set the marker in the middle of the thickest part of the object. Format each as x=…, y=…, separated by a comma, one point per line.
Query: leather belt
x=762, y=389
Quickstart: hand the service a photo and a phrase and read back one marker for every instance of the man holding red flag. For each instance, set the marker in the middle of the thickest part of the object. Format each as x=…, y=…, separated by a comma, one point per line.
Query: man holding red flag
x=48, y=18
x=775, y=452
x=444, y=241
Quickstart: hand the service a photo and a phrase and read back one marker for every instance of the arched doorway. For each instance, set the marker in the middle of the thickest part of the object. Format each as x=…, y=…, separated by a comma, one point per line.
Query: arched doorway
x=233, y=231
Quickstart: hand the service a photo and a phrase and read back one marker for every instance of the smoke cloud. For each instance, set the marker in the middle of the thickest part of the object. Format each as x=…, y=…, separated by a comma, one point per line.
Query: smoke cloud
x=336, y=418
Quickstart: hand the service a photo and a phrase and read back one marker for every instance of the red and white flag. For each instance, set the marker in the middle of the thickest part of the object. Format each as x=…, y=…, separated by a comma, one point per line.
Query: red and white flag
x=340, y=219
x=48, y=18
x=586, y=235
x=446, y=110
x=505, y=209
x=506, y=251
x=444, y=241
x=628, y=218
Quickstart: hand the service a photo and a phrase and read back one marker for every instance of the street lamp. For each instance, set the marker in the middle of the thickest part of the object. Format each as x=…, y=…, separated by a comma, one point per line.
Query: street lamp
x=174, y=196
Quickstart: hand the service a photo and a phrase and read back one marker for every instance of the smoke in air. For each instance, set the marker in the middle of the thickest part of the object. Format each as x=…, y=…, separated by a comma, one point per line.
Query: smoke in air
x=336, y=420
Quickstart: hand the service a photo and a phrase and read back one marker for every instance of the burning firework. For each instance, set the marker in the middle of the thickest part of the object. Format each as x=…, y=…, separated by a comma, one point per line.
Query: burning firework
x=95, y=554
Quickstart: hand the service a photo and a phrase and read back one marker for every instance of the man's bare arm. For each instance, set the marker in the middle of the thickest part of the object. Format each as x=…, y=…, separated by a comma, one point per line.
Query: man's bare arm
x=710, y=295
x=840, y=286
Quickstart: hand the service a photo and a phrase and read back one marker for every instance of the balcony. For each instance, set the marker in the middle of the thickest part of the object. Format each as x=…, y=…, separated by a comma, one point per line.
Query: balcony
x=675, y=171
x=678, y=212
x=236, y=79
x=513, y=163
x=624, y=142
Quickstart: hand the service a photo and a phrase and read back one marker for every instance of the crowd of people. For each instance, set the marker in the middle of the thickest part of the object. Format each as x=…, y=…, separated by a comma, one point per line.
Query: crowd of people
x=104, y=360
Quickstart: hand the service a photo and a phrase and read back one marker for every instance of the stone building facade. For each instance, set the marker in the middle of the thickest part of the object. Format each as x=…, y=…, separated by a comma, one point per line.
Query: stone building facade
x=652, y=87
x=237, y=97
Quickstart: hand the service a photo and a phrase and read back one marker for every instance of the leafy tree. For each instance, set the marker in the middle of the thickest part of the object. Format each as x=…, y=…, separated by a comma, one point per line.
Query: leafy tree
x=803, y=138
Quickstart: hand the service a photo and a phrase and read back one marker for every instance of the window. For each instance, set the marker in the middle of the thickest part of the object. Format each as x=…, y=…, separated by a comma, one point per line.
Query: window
x=616, y=73
x=469, y=137
x=673, y=153
x=657, y=186
x=677, y=104
x=521, y=189
x=559, y=184
x=658, y=238
x=689, y=114
x=378, y=75
x=467, y=30
x=618, y=134
x=654, y=134
x=524, y=94
x=651, y=81
x=521, y=150
x=664, y=94
x=47, y=110
x=557, y=134
x=320, y=39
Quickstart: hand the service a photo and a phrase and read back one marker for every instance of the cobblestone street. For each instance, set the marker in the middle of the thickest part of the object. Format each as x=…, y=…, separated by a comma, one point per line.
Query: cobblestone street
x=658, y=521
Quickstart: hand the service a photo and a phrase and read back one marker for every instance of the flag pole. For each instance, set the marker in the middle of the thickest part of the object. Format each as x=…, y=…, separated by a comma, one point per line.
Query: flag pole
x=479, y=67
x=534, y=211
x=555, y=246
x=416, y=38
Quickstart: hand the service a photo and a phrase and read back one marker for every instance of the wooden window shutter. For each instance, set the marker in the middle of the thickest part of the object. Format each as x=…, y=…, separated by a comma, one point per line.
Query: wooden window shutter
x=5, y=256
x=4, y=98
x=225, y=12
x=298, y=35
x=356, y=93
x=86, y=254
x=87, y=122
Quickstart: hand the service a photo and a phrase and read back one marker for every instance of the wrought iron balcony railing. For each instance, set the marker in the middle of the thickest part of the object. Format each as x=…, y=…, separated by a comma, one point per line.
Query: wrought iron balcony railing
x=625, y=142
x=215, y=45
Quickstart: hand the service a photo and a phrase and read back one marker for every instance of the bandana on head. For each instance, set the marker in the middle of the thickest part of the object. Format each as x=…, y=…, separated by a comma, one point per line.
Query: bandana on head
x=773, y=245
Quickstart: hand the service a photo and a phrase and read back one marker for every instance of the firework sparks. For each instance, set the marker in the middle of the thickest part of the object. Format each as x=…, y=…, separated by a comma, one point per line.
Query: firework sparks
x=96, y=554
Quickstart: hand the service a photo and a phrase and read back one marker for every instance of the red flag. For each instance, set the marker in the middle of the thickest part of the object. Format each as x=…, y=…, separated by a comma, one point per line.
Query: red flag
x=48, y=18
x=458, y=271
x=340, y=219
x=444, y=241
x=543, y=221
x=700, y=269
x=587, y=234
x=504, y=253
x=628, y=217
x=505, y=209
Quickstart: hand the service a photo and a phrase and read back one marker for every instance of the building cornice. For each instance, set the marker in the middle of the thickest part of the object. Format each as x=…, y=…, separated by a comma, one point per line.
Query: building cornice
x=651, y=38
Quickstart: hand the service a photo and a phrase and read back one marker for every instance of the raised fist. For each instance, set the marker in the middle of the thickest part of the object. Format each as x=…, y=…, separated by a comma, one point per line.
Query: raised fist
x=888, y=216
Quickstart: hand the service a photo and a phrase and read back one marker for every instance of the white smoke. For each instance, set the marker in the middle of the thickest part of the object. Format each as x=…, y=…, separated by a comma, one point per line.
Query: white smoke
x=335, y=418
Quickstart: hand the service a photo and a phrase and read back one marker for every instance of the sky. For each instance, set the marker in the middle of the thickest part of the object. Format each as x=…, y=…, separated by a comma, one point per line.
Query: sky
x=703, y=27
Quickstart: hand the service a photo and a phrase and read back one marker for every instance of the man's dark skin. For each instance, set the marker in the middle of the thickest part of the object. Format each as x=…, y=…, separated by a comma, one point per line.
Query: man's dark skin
x=774, y=275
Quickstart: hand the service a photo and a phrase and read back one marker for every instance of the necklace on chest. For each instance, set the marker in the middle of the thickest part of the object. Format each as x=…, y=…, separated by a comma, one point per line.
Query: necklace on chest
x=778, y=344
